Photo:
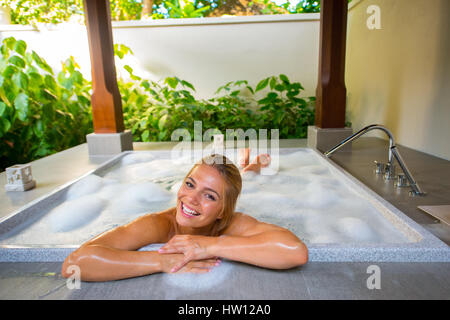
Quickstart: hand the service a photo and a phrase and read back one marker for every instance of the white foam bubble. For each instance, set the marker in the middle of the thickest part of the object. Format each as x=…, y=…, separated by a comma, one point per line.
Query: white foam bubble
x=355, y=229
x=176, y=187
x=76, y=213
x=139, y=197
x=196, y=282
x=193, y=281
x=136, y=157
x=85, y=186
x=317, y=195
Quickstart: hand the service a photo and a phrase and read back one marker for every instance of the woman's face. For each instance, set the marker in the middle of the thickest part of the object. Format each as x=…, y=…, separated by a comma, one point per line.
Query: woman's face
x=200, y=198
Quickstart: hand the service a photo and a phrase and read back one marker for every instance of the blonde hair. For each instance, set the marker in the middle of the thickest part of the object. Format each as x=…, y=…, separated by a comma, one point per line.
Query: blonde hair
x=233, y=186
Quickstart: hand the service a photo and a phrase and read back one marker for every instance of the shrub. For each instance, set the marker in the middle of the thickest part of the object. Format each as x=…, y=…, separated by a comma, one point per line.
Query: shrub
x=40, y=112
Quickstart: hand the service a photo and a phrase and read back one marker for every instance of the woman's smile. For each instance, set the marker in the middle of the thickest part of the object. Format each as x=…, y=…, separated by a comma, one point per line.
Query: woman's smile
x=187, y=211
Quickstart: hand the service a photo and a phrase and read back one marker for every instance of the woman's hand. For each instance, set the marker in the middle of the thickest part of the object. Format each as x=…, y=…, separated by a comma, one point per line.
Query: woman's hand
x=192, y=248
x=169, y=263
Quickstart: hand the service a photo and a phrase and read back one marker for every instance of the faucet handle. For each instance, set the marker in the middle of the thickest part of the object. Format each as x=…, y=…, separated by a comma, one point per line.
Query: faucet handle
x=389, y=172
x=402, y=181
x=380, y=167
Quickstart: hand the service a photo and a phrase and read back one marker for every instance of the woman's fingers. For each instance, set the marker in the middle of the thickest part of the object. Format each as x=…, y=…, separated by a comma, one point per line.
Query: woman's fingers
x=178, y=266
x=196, y=265
x=169, y=249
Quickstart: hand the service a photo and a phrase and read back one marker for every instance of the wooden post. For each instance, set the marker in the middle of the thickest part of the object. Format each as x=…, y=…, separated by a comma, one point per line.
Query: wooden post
x=331, y=91
x=106, y=102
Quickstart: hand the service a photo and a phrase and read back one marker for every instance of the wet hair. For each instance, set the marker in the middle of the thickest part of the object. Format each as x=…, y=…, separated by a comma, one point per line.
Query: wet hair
x=233, y=186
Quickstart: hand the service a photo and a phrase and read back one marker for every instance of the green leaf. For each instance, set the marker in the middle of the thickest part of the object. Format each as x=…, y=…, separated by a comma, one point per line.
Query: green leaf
x=162, y=121
x=20, y=79
x=21, y=105
x=284, y=78
x=172, y=82
x=9, y=71
x=162, y=135
x=36, y=79
x=20, y=47
x=50, y=82
x=145, y=84
x=2, y=108
x=41, y=62
x=262, y=84
x=145, y=136
x=38, y=129
x=273, y=82
x=5, y=125
x=9, y=42
x=18, y=61
x=187, y=84
x=235, y=93
x=128, y=68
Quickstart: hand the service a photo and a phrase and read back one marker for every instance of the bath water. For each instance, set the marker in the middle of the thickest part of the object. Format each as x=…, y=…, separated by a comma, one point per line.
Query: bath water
x=302, y=195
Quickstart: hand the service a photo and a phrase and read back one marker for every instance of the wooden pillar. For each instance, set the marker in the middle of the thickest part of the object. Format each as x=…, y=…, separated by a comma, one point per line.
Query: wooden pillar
x=106, y=102
x=331, y=91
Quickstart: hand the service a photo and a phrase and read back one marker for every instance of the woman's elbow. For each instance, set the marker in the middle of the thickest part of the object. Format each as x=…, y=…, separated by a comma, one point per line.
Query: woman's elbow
x=302, y=255
x=69, y=265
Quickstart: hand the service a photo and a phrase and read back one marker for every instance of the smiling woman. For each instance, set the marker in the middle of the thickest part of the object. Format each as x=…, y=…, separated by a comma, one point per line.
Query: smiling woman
x=201, y=229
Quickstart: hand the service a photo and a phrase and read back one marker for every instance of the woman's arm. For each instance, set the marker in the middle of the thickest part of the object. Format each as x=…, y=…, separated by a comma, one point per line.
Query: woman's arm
x=246, y=240
x=113, y=255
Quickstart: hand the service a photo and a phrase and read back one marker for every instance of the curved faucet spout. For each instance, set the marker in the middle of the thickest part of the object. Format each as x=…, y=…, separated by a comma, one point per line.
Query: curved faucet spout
x=360, y=133
x=393, y=152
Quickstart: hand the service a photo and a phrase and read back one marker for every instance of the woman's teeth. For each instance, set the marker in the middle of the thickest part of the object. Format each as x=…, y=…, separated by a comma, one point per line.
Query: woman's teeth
x=189, y=211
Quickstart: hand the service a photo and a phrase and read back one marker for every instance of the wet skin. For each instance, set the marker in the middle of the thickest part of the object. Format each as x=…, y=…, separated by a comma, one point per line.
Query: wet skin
x=185, y=229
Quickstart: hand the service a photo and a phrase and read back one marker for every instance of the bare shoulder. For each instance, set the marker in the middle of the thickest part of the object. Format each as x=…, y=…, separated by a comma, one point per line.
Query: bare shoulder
x=160, y=224
x=244, y=225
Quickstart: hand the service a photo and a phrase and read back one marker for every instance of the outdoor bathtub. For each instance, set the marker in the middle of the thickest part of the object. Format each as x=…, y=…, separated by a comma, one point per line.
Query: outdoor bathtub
x=338, y=217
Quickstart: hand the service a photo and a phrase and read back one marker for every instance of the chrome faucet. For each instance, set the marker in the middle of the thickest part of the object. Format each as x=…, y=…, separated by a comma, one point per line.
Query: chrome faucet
x=393, y=153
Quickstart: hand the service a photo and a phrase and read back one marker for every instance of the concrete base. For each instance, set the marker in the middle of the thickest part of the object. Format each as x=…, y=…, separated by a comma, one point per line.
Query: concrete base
x=101, y=144
x=325, y=139
x=20, y=187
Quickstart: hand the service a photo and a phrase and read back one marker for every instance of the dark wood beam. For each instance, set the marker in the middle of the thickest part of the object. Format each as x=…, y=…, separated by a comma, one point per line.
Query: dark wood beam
x=106, y=102
x=331, y=91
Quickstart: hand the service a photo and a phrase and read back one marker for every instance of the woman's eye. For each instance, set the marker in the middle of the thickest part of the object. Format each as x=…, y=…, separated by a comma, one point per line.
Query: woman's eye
x=210, y=197
x=190, y=185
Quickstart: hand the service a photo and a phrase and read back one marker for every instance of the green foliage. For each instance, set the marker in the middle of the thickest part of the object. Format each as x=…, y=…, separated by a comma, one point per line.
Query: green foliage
x=307, y=6
x=177, y=9
x=126, y=9
x=40, y=112
x=283, y=108
x=153, y=110
x=50, y=11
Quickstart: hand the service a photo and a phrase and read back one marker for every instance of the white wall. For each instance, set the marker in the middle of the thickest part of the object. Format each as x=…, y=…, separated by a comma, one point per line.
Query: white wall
x=206, y=52
x=399, y=75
